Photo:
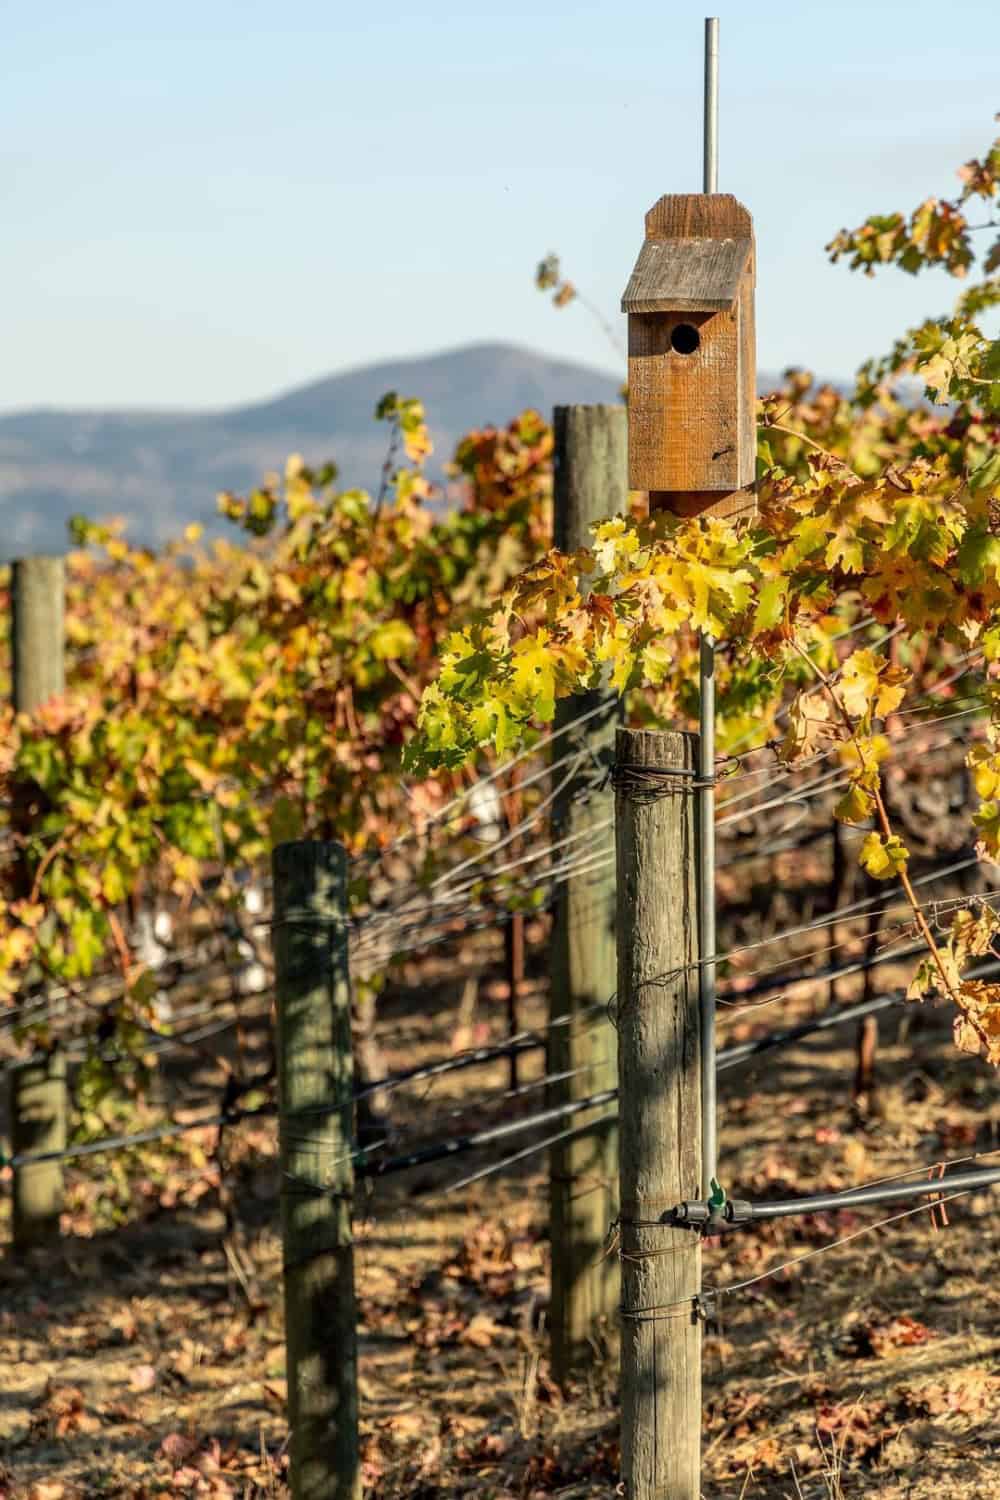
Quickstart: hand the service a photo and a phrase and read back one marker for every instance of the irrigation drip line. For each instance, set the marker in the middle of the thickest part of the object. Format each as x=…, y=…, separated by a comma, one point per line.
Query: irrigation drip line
x=140, y=1138
x=894, y=897
x=385, y=929
x=440, y=1150
x=730, y=1056
x=841, y=971
x=726, y=1058
x=508, y=1161
x=522, y=1041
x=527, y=1042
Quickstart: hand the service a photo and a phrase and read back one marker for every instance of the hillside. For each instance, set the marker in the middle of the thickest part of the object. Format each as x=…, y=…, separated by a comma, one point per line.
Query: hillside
x=162, y=469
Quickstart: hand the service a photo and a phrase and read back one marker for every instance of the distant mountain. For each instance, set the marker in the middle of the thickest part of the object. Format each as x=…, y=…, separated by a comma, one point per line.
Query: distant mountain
x=162, y=469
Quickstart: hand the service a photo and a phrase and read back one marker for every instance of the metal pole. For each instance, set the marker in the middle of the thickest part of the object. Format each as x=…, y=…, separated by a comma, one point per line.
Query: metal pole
x=711, y=177
x=706, y=737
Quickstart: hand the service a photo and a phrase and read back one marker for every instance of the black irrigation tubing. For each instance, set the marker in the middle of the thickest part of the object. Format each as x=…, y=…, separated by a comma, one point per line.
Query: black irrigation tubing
x=571, y=1133
x=441, y=1150
x=141, y=1138
x=728, y=1057
x=732, y=998
x=855, y=966
x=476, y=1057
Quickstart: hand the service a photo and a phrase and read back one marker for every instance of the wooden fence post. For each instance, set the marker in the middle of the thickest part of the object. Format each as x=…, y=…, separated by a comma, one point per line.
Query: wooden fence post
x=37, y=1123
x=659, y=1112
x=513, y=933
x=38, y=1105
x=315, y=1104
x=37, y=592
x=590, y=485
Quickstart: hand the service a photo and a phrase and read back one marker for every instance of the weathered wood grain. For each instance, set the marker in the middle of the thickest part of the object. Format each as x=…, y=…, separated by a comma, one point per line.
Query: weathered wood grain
x=315, y=1087
x=37, y=1123
x=687, y=276
x=695, y=216
x=37, y=593
x=590, y=485
x=683, y=408
x=659, y=1120
x=692, y=412
x=38, y=1088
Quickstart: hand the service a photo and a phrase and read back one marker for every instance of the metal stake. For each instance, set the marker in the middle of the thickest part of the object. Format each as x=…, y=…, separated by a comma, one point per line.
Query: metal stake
x=706, y=741
x=711, y=168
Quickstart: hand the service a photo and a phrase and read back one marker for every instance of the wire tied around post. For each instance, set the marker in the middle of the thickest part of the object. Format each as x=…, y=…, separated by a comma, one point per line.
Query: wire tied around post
x=651, y=783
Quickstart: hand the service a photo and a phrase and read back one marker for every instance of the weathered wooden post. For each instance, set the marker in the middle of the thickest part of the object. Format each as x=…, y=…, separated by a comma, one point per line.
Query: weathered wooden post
x=315, y=1088
x=513, y=933
x=590, y=486
x=37, y=593
x=37, y=1089
x=37, y=1125
x=659, y=1033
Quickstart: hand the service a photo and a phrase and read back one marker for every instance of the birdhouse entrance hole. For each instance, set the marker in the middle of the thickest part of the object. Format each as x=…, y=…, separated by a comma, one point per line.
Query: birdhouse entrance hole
x=684, y=338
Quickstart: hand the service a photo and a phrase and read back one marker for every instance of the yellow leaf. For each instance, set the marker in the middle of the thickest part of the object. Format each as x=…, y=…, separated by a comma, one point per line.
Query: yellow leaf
x=862, y=755
x=883, y=858
x=984, y=764
x=856, y=805
x=533, y=673
x=859, y=683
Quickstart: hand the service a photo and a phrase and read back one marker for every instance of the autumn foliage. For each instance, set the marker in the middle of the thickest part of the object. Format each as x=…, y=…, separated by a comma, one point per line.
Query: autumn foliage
x=224, y=695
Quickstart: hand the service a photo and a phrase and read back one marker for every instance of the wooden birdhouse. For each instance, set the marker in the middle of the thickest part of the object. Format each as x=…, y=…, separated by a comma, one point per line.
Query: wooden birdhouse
x=692, y=358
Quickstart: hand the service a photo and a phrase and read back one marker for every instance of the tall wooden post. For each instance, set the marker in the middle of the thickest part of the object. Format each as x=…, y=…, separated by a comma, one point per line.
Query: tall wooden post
x=37, y=1124
x=315, y=1087
x=37, y=1088
x=590, y=486
x=513, y=934
x=37, y=668
x=659, y=1112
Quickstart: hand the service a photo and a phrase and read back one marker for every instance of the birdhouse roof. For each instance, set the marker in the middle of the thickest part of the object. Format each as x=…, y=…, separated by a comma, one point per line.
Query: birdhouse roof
x=694, y=257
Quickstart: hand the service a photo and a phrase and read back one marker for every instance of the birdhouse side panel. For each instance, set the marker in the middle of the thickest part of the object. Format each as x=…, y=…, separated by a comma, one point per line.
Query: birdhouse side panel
x=748, y=384
x=684, y=407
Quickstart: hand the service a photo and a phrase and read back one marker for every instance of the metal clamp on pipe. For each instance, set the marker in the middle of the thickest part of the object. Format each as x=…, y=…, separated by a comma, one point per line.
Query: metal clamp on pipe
x=690, y=1214
x=738, y=1211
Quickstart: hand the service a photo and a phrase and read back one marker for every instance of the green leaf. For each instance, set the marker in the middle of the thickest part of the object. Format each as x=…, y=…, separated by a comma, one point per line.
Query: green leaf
x=392, y=641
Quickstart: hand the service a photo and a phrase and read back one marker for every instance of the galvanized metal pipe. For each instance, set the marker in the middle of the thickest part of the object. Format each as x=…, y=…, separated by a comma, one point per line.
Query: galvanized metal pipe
x=706, y=742
x=711, y=164
x=706, y=914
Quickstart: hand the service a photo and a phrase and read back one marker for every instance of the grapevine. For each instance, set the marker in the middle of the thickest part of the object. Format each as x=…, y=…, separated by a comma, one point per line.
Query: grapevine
x=902, y=524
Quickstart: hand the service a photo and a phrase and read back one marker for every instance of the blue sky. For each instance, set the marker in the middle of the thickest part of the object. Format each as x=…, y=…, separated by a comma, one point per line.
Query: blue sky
x=207, y=203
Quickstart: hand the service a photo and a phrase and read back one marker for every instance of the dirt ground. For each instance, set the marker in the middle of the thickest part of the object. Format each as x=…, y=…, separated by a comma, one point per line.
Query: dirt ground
x=144, y=1356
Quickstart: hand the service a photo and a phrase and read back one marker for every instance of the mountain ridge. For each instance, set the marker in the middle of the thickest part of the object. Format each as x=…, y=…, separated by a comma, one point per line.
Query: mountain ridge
x=161, y=468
